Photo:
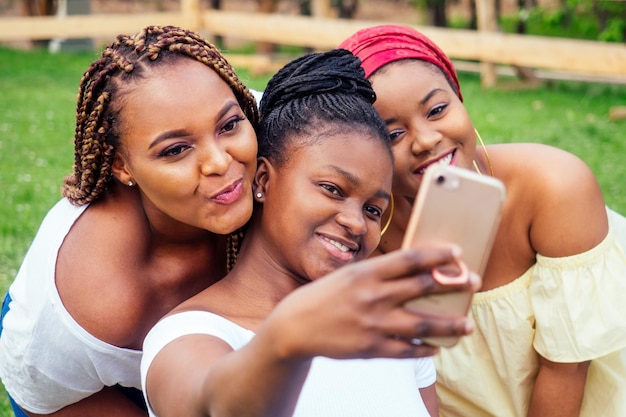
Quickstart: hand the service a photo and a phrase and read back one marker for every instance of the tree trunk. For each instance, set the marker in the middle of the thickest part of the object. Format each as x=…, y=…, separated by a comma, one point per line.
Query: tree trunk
x=266, y=6
x=347, y=8
x=437, y=13
x=217, y=5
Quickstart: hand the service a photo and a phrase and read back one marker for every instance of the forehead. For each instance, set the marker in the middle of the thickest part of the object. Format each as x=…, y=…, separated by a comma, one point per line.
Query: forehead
x=355, y=152
x=414, y=67
x=180, y=96
x=182, y=81
x=407, y=78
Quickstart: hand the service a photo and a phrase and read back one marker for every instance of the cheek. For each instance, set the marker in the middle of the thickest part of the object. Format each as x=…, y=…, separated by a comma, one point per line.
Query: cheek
x=372, y=240
x=244, y=151
x=401, y=162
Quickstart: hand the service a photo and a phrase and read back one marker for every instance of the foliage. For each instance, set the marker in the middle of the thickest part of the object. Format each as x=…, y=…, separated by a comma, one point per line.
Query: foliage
x=582, y=19
x=603, y=20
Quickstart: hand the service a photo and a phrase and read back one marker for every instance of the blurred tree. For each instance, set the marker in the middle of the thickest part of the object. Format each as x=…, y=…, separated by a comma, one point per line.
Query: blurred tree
x=39, y=7
x=217, y=5
x=346, y=9
x=266, y=6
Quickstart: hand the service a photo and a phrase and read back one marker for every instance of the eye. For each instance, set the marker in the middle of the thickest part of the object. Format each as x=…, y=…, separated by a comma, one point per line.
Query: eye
x=232, y=124
x=437, y=110
x=174, y=150
x=331, y=189
x=394, y=135
x=374, y=211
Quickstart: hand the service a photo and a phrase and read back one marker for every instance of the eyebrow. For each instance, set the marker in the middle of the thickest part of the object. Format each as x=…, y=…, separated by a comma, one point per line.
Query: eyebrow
x=182, y=132
x=354, y=181
x=421, y=103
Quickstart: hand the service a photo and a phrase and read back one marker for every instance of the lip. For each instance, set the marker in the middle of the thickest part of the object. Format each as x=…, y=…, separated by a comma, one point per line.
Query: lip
x=420, y=169
x=230, y=193
x=329, y=243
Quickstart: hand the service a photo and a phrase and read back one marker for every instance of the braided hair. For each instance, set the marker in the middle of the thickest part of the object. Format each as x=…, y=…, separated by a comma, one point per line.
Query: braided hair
x=102, y=89
x=313, y=96
x=97, y=135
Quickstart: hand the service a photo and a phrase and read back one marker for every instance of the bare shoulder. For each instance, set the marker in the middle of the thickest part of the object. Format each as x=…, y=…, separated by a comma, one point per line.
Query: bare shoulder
x=558, y=192
x=97, y=271
x=543, y=170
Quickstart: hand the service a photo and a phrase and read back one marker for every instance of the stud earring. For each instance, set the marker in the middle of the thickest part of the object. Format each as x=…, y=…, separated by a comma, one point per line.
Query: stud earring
x=259, y=195
x=130, y=183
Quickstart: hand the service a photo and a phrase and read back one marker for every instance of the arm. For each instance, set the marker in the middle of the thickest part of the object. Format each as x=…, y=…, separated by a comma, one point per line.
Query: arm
x=559, y=389
x=570, y=218
x=355, y=312
x=429, y=396
x=110, y=402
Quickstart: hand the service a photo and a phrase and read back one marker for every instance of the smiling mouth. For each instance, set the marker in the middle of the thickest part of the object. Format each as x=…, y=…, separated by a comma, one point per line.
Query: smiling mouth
x=340, y=250
x=446, y=160
x=338, y=245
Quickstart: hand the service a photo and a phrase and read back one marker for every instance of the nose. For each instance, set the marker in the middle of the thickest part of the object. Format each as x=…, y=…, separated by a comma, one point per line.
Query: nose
x=352, y=218
x=425, y=140
x=214, y=160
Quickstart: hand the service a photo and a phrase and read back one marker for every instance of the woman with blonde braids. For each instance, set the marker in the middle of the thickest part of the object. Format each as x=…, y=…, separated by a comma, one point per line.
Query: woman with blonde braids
x=165, y=158
x=164, y=161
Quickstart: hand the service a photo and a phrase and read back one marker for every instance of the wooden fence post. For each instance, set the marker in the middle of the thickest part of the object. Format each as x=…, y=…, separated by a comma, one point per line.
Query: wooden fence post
x=321, y=8
x=487, y=22
x=70, y=8
x=190, y=10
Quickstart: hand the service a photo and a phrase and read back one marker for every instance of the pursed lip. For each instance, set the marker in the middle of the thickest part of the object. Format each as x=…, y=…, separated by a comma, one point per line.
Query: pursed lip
x=229, y=193
x=447, y=158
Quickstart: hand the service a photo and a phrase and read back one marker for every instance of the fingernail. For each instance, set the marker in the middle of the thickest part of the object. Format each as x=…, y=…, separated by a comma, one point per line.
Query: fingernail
x=457, y=251
x=469, y=326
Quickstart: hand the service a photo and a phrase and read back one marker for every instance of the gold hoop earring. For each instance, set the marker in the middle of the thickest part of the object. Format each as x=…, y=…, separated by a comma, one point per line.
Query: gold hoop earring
x=482, y=144
x=392, y=207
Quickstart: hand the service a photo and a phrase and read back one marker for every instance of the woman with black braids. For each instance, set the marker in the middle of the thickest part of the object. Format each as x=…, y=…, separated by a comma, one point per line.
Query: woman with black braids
x=274, y=338
x=165, y=158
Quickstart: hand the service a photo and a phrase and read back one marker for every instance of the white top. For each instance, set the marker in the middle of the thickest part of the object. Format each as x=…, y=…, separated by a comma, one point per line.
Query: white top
x=346, y=388
x=47, y=360
x=258, y=95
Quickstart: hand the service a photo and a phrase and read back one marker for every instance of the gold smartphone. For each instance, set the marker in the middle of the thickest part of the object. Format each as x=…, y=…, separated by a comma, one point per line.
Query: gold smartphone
x=454, y=205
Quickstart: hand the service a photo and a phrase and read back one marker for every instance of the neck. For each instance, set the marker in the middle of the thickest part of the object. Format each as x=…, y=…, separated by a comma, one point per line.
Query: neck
x=257, y=275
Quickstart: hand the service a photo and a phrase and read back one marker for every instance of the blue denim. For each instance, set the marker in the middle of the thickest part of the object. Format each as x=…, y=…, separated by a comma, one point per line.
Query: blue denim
x=5, y=309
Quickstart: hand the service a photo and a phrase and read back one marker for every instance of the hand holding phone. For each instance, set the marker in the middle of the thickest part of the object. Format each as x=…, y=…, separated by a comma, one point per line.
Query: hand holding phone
x=459, y=206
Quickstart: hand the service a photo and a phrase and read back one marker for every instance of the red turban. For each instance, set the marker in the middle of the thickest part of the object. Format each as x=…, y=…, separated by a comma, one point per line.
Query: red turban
x=379, y=45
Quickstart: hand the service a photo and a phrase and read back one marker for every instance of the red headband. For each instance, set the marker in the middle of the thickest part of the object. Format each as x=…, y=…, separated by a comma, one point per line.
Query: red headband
x=379, y=45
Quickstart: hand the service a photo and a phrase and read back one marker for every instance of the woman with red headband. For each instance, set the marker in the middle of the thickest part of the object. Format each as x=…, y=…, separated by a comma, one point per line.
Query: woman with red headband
x=550, y=335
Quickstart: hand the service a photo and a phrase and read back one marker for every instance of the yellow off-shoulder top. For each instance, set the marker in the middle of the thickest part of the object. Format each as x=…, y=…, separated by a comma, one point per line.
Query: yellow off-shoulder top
x=570, y=309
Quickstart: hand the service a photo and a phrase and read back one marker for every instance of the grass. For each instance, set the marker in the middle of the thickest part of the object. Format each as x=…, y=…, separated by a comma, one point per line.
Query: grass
x=38, y=94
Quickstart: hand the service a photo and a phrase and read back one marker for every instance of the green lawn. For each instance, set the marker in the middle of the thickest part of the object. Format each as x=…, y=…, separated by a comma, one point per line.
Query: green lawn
x=37, y=99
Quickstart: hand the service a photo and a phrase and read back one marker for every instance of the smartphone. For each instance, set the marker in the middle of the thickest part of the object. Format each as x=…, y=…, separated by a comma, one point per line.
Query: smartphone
x=454, y=205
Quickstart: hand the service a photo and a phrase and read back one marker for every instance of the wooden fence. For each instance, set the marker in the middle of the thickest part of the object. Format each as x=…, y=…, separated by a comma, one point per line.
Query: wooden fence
x=606, y=61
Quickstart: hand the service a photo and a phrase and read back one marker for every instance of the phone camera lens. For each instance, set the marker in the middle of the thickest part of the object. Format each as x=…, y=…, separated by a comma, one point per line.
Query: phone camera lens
x=441, y=179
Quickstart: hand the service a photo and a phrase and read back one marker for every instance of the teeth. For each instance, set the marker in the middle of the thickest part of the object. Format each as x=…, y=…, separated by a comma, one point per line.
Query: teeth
x=338, y=245
x=446, y=160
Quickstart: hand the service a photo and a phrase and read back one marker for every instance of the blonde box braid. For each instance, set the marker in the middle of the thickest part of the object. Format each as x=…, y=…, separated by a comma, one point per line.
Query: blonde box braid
x=97, y=134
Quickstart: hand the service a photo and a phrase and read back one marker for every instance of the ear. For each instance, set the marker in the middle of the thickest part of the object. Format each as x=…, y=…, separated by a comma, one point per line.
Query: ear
x=120, y=169
x=262, y=179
